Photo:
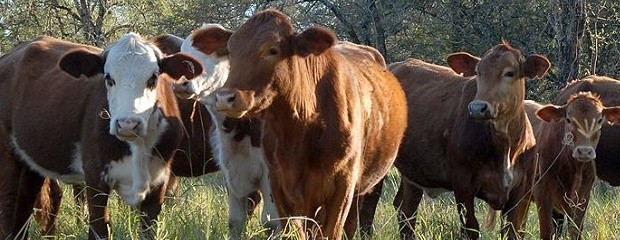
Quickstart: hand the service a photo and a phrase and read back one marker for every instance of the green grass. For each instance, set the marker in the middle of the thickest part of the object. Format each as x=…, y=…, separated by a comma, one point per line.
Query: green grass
x=200, y=212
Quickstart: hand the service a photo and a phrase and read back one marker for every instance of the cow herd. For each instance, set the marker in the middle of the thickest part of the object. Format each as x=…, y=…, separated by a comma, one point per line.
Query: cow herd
x=301, y=121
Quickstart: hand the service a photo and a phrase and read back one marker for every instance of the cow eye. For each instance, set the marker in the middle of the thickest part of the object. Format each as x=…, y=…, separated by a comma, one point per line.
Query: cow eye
x=568, y=120
x=151, y=82
x=273, y=52
x=509, y=74
x=599, y=121
x=109, y=81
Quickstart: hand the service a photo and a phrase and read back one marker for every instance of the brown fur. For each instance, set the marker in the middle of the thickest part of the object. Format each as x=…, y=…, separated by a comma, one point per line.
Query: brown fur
x=549, y=174
x=444, y=148
x=332, y=123
x=33, y=87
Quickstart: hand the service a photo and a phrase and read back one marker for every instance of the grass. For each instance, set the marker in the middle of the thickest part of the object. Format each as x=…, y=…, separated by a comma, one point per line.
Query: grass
x=200, y=212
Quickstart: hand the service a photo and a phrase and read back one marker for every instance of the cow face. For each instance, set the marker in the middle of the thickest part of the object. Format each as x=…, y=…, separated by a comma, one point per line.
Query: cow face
x=583, y=117
x=269, y=59
x=130, y=69
x=208, y=45
x=500, y=79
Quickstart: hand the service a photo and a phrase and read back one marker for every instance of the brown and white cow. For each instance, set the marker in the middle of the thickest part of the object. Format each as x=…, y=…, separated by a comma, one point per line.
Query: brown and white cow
x=333, y=122
x=114, y=125
x=558, y=173
x=465, y=130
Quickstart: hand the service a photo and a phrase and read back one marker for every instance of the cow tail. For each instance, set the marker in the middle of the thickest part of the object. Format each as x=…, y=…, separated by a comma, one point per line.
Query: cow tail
x=43, y=204
x=491, y=216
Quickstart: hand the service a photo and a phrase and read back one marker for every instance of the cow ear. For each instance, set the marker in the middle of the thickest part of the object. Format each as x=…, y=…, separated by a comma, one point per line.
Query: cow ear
x=536, y=66
x=210, y=39
x=612, y=114
x=463, y=63
x=179, y=65
x=551, y=113
x=314, y=40
x=168, y=43
x=81, y=62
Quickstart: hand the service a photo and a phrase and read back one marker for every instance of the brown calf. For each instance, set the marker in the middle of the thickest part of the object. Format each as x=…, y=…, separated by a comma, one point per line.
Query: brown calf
x=558, y=172
x=332, y=123
x=115, y=130
x=464, y=130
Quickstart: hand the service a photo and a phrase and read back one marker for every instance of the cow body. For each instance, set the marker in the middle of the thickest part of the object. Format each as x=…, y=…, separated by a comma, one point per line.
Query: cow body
x=332, y=123
x=558, y=173
x=469, y=146
x=94, y=137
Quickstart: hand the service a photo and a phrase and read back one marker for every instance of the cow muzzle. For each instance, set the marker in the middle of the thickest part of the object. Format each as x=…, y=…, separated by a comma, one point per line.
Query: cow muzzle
x=183, y=89
x=584, y=153
x=480, y=110
x=127, y=129
x=233, y=103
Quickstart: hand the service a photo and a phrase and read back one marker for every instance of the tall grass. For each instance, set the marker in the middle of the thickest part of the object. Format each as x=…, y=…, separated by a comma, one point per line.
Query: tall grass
x=200, y=211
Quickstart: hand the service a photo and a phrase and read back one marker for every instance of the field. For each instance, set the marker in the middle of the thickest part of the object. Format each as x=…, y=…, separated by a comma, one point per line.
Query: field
x=200, y=212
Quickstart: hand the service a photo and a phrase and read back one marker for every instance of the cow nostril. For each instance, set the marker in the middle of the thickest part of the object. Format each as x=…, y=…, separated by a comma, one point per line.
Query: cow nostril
x=185, y=84
x=484, y=108
x=231, y=99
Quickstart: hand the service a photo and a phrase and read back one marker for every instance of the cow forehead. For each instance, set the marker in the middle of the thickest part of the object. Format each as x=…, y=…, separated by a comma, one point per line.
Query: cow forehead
x=496, y=62
x=263, y=28
x=131, y=58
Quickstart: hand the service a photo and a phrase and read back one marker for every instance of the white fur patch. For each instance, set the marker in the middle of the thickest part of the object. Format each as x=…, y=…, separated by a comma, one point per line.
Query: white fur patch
x=77, y=177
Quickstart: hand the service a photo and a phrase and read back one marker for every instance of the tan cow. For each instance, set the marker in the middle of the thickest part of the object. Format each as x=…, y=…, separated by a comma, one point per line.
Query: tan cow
x=332, y=123
x=464, y=130
x=558, y=173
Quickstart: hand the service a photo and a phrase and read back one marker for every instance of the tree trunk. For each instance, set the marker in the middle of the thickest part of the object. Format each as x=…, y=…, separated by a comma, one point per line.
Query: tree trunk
x=568, y=25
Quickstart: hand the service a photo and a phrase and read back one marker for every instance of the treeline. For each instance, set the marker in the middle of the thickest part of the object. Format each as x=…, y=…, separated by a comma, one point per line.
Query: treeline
x=580, y=37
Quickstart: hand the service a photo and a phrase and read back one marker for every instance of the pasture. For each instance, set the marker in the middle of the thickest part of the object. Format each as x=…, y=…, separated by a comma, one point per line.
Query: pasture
x=199, y=211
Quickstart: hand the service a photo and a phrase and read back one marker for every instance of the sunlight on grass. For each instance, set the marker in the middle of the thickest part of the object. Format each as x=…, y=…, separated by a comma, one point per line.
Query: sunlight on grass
x=200, y=211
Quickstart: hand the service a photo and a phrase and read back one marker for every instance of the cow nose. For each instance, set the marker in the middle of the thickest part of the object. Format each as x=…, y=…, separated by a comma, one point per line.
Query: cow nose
x=225, y=99
x=584, y=153
x=127, y=124
x=183, y=88
x=479, y=110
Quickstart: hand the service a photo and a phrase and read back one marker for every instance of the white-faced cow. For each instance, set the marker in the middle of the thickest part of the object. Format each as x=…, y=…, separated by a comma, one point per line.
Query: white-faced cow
x=465, y=130
x=332, y=122
x=80, y=115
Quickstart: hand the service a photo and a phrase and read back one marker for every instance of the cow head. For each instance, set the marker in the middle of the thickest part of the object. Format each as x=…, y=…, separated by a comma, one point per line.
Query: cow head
x=266, y=57
x=208, y=45
x=583, y=117
x=500, y=80
x=130, y=69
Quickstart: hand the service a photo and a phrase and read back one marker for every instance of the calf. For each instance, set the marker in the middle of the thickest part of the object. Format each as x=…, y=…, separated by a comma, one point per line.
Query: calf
x=115, y=126
x=332, y=121
x=558, y=172
x=470, y=145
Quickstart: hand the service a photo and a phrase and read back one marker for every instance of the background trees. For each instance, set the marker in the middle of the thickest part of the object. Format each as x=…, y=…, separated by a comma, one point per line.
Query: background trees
x=580, y=37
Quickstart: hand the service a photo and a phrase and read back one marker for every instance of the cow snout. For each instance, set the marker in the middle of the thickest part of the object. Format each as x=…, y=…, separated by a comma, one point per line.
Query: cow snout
x=584, y=153
x=479, y=110
x=183, y=88
x=233, y=103
x=128, y=128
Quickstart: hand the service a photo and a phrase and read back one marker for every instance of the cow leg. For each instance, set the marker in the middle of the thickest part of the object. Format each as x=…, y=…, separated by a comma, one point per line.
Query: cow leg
x=515, y=211
x=367, y=211
x=545, y=210
x=467, y=214
x=237, y=215
x=172, y=186
x=558, y=221
x=97, y=201
x=253, y=199
x=9, y=185
x=337, y=208
x=150, y=208
x=406, y=202
x=29, y=187
x=49, y=202
x=269, y=216
x=578, y=209
x=350, y=225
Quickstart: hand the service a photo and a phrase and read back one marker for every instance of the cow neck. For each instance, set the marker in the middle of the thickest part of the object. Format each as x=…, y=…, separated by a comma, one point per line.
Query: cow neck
x=554, y=146
x=514, y=126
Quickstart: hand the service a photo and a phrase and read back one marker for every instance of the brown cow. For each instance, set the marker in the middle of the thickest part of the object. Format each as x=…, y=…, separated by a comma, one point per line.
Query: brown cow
x=332, y=123
x=464, y=130
x=116, y=127
x=558, y=173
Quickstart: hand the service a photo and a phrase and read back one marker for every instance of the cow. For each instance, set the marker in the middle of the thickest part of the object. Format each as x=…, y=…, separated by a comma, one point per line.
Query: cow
x=115, y=126
x=332, y=121
x=558, y=173
x=467, y=125
x=235, y=142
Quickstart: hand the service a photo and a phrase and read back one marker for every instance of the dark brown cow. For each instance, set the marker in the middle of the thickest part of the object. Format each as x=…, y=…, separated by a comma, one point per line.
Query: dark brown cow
x=115, y=130
x=464, y=130
x=332, y=123
x=558, y=173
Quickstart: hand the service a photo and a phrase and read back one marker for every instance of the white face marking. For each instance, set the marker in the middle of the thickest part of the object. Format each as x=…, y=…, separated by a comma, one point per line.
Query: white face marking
x=77, y=177
x=131, y=63
x=215, y=68
x=587, y=128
